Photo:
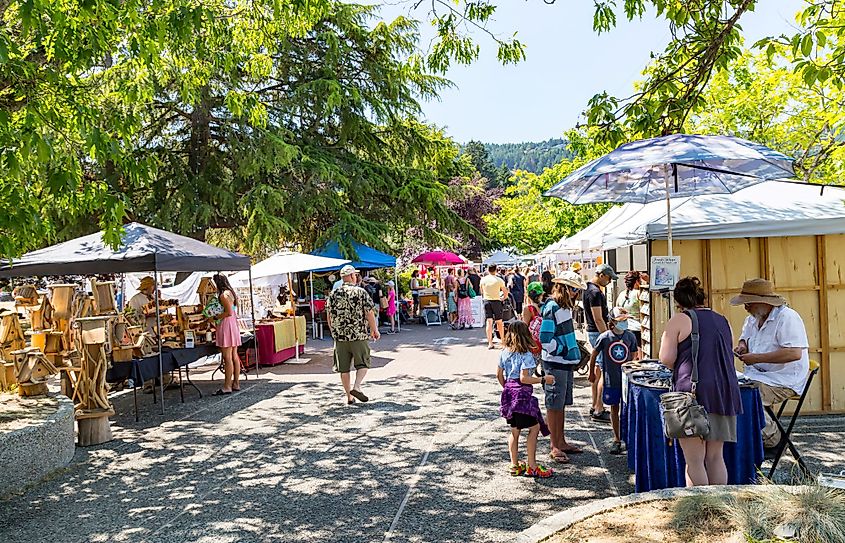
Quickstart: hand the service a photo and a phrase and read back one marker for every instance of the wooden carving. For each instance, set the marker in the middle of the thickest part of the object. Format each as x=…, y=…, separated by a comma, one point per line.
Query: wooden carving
x=104, y=302
x=61, y=299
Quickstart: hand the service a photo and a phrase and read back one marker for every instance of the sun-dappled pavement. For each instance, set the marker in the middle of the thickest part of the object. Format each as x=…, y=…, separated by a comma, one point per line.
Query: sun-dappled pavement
x=287, y=460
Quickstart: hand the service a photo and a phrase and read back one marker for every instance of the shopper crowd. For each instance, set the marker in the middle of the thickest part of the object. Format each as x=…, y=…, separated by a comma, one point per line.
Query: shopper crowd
x=542, y=348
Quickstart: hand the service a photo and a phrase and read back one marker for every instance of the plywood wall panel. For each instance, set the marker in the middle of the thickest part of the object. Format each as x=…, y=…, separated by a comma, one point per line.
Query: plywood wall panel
x=835, y=265
x=733, y=261
x=792, y=261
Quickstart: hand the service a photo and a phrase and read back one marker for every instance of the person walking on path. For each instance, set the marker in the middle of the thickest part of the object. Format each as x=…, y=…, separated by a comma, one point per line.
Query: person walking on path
x=629, y=302
x=717, y=389
x=493, y=291
x=516, y=284
x=464, y=301
x=228, y=336
x=596, y=316
x=518, y=405
x=450, y=286
x=475, y=280
x=774, y=348
x=561, y=355
x=414, y=287
x=350, y=310
x=391, y=306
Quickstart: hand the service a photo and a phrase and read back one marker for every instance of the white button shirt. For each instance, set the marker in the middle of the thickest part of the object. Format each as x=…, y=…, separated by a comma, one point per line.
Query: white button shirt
x=783, y=329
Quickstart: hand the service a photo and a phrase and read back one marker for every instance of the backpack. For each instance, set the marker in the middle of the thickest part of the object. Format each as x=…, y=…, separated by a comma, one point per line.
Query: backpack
x=534, y=328
x=462, y=290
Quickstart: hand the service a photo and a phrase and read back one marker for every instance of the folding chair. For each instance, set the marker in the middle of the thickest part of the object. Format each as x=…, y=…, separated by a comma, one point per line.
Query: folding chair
x=785, y=440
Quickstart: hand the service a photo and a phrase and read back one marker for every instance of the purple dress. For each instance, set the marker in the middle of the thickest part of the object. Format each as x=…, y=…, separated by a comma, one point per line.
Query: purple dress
x=519, y=398
x=717, y=389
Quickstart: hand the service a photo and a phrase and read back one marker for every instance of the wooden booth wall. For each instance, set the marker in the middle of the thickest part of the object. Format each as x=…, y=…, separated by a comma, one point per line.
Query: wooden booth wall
x=808, y=271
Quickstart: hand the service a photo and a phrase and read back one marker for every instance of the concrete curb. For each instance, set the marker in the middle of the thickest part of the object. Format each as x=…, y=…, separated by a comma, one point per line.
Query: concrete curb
x=550, y=526
x=32, y=453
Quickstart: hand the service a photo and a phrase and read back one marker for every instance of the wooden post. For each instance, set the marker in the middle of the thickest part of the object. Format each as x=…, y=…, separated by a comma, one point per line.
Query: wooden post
x=824, y=324
x=707, y=270
x=765, y=267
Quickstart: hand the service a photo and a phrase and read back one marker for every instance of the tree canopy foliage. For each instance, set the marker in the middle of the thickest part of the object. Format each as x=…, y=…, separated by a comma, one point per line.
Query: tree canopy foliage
x=528, y=156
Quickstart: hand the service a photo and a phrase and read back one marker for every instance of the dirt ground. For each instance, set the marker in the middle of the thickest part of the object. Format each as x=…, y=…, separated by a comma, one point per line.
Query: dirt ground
x=17, y=412
x=642, y=523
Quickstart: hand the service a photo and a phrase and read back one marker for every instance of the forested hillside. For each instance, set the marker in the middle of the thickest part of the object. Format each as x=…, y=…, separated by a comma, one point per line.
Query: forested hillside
x=528, y=156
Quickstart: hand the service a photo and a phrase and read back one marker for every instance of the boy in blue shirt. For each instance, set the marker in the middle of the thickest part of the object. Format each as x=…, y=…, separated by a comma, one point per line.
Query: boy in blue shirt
x=617, y=346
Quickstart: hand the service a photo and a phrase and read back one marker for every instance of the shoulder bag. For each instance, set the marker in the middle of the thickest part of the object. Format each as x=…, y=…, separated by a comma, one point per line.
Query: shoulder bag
x=682, y=415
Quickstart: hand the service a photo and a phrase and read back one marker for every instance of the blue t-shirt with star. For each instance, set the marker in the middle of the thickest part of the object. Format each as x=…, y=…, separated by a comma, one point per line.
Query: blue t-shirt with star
x=616, y=350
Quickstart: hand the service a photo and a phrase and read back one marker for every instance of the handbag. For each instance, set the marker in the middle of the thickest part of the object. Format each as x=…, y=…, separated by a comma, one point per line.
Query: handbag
x=471, y=291
x=682, y=415
x=213, y=308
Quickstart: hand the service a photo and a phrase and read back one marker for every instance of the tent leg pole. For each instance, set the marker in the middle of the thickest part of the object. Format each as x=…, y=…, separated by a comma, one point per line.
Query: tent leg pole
x=396, y=298
x=254, y=324
x=158, y=334
x=313, y=316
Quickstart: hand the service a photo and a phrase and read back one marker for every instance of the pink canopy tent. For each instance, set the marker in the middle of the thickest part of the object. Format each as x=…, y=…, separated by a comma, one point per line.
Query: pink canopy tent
x=438, y=258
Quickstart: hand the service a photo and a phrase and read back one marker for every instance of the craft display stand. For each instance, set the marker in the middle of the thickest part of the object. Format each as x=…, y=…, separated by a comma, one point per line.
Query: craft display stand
x=91, y=392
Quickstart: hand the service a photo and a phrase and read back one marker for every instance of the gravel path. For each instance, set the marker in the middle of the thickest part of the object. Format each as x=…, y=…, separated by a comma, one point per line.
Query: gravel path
x=287, y=460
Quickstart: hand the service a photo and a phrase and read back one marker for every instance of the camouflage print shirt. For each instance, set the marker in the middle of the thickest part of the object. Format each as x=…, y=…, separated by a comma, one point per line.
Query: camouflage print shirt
x=347, y=307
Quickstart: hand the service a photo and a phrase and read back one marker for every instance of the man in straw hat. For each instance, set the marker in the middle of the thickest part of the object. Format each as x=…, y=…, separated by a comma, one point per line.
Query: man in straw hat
x=774, y=348
x=145, y=295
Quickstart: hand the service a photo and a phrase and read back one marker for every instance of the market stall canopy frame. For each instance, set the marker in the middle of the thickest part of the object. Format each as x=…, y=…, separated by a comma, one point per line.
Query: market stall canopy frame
x=143, y=248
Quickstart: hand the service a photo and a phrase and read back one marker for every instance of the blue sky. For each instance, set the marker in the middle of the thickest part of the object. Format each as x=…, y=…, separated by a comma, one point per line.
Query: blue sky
x=567, y=64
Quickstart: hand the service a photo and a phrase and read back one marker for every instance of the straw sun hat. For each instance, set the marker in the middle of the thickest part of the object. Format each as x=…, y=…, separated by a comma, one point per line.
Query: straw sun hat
x=758, y=291
x=571, y=279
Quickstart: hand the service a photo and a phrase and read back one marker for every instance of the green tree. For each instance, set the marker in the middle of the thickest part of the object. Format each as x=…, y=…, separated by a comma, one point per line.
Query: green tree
x=480, y=159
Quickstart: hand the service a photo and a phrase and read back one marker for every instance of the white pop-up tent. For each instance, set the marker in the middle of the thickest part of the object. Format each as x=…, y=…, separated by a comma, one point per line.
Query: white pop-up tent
x=275, y=271
x=768, y=209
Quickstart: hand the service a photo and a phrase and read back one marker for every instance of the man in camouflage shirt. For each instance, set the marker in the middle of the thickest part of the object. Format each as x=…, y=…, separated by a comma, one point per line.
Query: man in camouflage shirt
x=350, y=311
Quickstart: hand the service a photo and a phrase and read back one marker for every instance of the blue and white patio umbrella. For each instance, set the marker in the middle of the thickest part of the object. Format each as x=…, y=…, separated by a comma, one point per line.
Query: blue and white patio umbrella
x=673, y=166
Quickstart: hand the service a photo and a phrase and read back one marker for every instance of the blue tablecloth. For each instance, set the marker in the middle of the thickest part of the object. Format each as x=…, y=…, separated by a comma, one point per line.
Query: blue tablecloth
x=657, y=464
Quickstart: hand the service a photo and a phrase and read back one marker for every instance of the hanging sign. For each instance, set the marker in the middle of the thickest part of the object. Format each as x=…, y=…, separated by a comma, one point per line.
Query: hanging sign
x=665, y=272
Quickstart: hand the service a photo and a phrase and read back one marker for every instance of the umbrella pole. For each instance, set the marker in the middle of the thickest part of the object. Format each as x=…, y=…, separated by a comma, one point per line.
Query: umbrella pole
x=396, y=299
x=313, y=316
x=158, y=333
x=669, y=228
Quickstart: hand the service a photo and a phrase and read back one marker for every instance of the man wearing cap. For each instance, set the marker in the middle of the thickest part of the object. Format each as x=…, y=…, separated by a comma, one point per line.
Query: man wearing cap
x=596, y=316
x=774, y=348
x=350, y=311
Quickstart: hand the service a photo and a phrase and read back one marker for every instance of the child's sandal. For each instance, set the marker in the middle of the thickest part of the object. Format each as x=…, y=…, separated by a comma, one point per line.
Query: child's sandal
x=541, y=472
x=518, y=470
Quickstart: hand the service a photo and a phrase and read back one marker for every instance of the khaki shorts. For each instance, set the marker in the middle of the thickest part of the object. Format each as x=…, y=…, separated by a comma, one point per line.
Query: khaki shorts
x=348, y=352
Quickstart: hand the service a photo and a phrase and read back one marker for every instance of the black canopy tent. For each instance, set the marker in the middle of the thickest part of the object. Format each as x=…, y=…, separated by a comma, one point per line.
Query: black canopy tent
x=142, y=249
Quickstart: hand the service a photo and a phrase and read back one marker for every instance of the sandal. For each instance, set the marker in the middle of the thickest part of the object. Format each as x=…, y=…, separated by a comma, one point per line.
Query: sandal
x=572, y=449
x=518, y=470
x=560, y=459
x=221, y=392
x=541, y=472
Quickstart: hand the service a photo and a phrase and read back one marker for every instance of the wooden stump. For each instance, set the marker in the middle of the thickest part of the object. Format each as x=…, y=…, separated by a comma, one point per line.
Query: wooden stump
x=32, y=389
x=67, y=383
x=94, y=431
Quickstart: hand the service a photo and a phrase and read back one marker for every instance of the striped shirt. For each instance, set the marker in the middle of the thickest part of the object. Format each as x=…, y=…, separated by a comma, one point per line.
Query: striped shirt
x=557, y=336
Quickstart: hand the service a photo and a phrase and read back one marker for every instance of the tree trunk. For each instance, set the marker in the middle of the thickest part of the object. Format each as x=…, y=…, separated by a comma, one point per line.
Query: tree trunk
x=94, y=431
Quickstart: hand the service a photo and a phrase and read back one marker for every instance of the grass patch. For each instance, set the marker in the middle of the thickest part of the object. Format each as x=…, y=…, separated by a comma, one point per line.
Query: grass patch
x=809, y=514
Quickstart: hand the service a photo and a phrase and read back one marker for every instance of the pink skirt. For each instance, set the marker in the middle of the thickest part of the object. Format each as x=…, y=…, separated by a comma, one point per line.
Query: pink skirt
x=228, y=333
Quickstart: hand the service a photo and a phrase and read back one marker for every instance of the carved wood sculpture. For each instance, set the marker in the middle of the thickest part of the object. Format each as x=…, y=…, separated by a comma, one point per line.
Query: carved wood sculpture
x=92, y=335
x=123, y=345
x=11, y=335
x=41, y=317
x=61, y=298
x=104, y=302
x=206, y=290
x=32, y=373
x=26, y=296
x=8, y=372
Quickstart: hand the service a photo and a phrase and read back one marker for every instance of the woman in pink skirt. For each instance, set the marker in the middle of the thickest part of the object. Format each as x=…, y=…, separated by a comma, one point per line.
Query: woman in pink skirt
x=391, y=306
x=464, y=301
x=228, y=336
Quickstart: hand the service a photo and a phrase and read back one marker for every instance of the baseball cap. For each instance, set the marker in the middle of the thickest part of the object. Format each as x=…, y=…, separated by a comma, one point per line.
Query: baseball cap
x=535, y=288
x=391, y=284
x=347, y=270
x=606, y=269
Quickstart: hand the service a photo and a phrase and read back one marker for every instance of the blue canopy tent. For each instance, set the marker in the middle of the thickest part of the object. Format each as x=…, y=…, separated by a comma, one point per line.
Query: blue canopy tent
x=367, y=259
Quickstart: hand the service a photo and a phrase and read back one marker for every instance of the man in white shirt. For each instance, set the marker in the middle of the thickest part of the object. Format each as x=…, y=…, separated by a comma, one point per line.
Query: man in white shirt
x=774, y=348
x=493, y=291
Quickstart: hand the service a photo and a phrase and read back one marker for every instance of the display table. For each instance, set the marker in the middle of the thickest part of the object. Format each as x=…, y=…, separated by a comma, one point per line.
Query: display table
x=280, y=340
x=657, y=464
x=143, y=369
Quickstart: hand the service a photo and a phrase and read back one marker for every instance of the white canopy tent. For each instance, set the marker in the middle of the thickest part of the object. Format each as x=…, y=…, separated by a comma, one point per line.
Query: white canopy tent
x=501, y=258
x=275, y=271
x=770, y=209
